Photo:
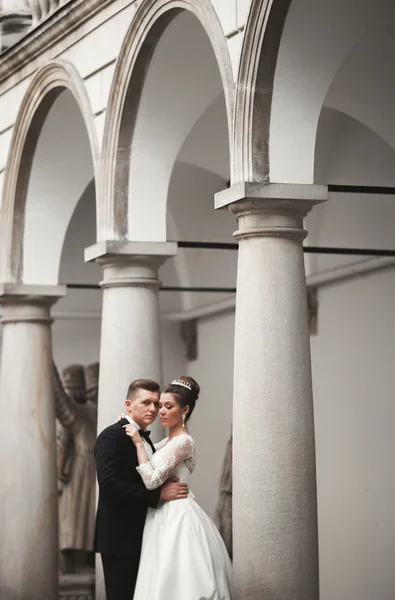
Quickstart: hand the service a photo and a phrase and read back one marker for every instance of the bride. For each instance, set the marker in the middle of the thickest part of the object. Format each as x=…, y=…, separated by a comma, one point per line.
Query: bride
x=183, y=556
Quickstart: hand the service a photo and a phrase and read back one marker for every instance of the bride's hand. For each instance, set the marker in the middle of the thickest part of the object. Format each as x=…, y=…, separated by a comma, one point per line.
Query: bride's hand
x=122, y=416
x=133, y=433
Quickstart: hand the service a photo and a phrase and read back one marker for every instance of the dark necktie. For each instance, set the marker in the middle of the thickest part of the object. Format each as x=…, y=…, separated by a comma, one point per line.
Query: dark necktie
x=145, y=435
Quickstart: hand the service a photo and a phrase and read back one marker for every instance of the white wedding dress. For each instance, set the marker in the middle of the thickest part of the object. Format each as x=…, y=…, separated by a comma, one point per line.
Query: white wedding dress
x=183, y=556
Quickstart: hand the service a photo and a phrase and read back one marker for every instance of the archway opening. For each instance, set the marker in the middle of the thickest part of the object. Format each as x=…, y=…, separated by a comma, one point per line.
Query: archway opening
x=61, y=167
x=332, y=123
x=306, y=66
x=174, y=154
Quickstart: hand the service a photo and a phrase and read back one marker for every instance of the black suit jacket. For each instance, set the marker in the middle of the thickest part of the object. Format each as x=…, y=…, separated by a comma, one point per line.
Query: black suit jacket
x=123, y=498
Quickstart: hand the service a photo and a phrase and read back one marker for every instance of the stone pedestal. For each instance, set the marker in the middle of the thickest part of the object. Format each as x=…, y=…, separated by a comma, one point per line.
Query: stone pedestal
x=80, y=586
x=275, y=544
x=130, y=345
x=28, y=491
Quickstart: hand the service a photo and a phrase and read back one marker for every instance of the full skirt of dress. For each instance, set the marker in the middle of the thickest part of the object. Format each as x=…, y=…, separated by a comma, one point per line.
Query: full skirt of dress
x=183, y=556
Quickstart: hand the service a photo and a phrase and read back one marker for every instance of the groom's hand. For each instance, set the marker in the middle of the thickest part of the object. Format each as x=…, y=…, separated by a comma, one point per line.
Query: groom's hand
x=174, y=490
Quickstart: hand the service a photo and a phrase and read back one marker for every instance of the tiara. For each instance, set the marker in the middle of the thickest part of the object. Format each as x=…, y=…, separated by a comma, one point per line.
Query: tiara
x=182, y=383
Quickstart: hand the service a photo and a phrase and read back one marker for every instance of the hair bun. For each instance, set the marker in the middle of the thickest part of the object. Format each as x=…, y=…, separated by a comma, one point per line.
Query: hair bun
x=194, y=385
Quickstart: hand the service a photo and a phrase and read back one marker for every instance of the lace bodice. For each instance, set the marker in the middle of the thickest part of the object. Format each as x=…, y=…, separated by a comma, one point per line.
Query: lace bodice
x=176, y=457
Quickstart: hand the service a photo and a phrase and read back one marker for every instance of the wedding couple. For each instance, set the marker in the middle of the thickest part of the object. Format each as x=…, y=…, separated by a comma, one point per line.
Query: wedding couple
x=155, y=541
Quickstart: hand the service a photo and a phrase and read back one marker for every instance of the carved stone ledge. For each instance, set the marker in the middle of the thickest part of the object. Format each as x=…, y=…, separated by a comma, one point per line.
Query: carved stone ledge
x=69, y=16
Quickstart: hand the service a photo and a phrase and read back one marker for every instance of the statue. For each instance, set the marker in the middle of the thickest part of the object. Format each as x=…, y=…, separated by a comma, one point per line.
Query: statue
x=223, y=513
x=15, y=22
x=92, y=382
x=76, y=469
x=40, y=9
x=74, y=386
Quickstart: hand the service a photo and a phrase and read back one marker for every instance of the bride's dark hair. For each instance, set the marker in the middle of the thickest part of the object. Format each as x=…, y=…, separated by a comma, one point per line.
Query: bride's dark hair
x=183, y=395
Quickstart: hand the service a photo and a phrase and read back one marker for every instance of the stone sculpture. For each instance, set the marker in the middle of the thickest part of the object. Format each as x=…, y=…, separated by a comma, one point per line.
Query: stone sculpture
x=40, y=9
x=74, y=386
x=92, y=382
x=15, y=21
x=76, y=469
x=223, y=513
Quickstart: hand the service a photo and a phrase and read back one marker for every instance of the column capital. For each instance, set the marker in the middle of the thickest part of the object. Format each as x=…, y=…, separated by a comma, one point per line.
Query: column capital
x=123, y=251
x=28, y=303
x=272, y=209
x=127, y=263
x=288, y=194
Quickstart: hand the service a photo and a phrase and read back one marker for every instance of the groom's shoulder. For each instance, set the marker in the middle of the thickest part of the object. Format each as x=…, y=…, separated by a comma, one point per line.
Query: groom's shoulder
x=112, y=431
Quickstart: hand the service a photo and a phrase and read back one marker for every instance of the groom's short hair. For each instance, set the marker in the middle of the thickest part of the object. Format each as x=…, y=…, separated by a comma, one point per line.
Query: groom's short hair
x=142, y=384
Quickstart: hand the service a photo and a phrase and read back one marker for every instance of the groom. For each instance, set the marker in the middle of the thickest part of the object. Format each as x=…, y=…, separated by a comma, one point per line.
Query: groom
x=123, y=498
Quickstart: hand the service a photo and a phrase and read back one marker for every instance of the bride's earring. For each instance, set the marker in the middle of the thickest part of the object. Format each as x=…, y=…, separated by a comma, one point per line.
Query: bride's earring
x=183, y=420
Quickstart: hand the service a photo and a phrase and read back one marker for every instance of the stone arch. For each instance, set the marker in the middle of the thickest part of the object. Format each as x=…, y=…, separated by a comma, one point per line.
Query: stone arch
x=45, y=87
x=254, y=90
x=151, y=20
x=286, y=71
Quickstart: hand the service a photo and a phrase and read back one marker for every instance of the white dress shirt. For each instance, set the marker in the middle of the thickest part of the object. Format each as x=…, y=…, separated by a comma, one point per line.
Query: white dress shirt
x=146, y=444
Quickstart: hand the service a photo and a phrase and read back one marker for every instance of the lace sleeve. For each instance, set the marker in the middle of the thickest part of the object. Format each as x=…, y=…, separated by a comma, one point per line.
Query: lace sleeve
x=175, y=451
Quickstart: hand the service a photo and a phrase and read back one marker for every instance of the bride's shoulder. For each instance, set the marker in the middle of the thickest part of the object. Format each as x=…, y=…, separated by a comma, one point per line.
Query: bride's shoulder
x=162, y=443
x=183, y=436
x=184, y=439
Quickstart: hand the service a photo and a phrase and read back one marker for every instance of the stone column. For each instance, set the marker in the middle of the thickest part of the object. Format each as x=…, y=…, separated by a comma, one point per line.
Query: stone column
x=28, y=490
x=275, y=543
x=130, y=346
